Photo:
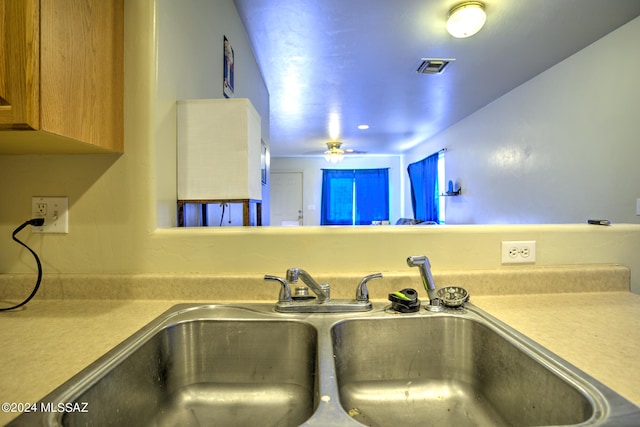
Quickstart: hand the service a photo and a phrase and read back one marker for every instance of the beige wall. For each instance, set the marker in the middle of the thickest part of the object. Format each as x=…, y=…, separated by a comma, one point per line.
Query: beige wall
x=187, y=64
x=116, y=203
x=561, y=148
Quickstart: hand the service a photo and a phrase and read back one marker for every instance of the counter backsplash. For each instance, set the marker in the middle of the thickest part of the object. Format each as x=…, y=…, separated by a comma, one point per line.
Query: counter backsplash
x=218, y=288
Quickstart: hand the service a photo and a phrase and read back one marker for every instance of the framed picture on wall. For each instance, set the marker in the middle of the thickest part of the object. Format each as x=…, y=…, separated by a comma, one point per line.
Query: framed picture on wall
x=228, y=69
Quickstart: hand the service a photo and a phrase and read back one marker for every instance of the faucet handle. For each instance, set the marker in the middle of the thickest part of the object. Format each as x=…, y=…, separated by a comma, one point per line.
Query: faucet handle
x=362, y=293
x=285, y=290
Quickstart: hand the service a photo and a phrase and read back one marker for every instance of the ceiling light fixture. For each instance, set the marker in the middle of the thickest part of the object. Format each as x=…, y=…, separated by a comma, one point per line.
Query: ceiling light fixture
x=334, y=154
x=466, y=19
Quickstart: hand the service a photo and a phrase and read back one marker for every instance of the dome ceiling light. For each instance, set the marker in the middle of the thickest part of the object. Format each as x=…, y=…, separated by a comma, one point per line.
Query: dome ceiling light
x=466, y=19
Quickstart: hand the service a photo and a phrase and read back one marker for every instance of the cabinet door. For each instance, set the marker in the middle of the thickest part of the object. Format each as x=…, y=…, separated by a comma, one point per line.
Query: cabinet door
x=19, y=64
x=82, y=62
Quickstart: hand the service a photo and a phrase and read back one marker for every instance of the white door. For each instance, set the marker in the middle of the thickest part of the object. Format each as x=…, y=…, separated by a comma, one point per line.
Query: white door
x=286, y=198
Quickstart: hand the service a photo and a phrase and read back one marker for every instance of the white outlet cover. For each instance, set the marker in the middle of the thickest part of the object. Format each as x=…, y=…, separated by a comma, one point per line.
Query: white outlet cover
x=518, y=252
x=56, y=217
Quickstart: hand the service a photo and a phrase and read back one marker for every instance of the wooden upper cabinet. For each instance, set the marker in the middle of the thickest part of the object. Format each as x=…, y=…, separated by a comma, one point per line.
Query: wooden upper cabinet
x=19, y=64
x=61, y=76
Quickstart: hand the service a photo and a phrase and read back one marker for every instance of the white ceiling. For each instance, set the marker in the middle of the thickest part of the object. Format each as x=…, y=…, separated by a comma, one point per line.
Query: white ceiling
x=356, y=61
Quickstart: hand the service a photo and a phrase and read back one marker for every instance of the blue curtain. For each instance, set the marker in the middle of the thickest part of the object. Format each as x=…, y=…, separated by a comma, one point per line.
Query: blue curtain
x=365, y=190
x=423, y=176
x=372, y=195
x=337, y=197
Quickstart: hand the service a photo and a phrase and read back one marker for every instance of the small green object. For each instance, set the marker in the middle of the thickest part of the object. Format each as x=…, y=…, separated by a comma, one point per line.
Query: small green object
x=401, y=296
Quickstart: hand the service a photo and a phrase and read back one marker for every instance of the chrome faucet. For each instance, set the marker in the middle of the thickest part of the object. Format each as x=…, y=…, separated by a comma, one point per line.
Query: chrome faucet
x=324, y=304
x=292, y=277
x=285, y=291
x=422, y=262
x=362, y=293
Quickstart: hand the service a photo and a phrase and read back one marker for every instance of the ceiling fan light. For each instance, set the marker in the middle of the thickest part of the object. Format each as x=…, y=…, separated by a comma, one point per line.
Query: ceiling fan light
x=466, y=19
x=334, y=154
x=333, y=157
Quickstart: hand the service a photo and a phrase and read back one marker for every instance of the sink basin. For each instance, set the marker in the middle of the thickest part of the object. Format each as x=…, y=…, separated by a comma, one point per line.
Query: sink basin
x=454, y=370
x=193, y=371
x=247, y=365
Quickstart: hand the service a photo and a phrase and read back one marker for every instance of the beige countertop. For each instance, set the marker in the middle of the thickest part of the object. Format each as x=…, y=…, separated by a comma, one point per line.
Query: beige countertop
x=53, y=339
x=597, y=332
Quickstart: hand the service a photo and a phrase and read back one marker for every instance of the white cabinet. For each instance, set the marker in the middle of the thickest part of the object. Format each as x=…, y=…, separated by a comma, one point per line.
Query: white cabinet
x=219, y=148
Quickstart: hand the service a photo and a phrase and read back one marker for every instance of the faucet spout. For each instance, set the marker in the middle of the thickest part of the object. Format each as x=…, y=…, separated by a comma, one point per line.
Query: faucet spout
x=293, y=274
x=422, y=262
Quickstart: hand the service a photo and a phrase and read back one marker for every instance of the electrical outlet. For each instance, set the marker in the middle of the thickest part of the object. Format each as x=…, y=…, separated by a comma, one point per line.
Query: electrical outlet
x=519, y=252
x=54, y=210
x=40, y=210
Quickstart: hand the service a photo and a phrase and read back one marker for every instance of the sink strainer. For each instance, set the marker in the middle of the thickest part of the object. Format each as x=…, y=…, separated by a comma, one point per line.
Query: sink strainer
x=453, y=296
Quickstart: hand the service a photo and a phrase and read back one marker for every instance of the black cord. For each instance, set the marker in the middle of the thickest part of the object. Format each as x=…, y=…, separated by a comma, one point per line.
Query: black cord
x=35, y=222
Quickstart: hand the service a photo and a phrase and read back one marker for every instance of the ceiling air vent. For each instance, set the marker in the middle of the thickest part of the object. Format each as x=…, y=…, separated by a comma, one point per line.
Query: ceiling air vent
x=433, y=65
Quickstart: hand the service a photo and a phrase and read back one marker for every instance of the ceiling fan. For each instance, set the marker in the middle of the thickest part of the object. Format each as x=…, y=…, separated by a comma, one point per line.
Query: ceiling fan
x=335, y=154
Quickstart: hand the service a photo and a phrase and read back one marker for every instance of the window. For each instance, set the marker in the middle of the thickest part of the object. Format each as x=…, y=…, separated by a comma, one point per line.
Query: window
x=426, y=177
x=354, y=196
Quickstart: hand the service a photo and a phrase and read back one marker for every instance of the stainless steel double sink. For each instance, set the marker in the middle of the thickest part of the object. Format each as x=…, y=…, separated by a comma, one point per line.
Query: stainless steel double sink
x=246, y=365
